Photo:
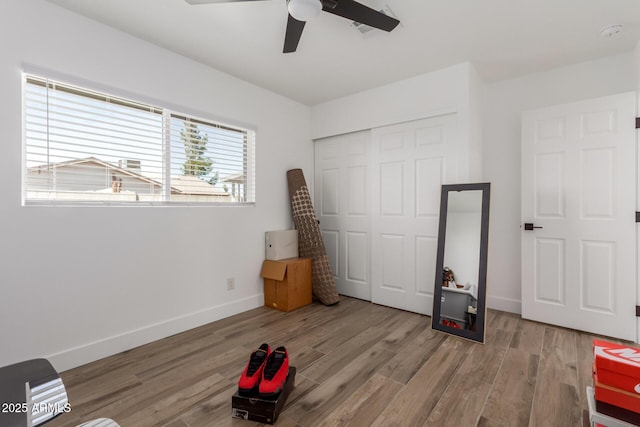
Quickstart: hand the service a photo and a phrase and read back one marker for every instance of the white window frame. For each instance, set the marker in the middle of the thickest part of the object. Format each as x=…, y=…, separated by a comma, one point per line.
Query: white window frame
x=169, y=192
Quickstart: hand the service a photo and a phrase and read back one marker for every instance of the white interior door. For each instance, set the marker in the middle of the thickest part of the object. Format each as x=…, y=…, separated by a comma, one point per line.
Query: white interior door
x=409, y=163
x=342, y=205
x=579, y=187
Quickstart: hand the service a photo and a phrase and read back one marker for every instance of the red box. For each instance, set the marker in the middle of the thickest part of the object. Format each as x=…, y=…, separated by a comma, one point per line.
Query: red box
x=616, y=397
x=617, y=366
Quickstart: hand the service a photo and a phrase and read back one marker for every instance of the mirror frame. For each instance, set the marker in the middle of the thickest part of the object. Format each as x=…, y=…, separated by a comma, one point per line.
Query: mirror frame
x=479, y=334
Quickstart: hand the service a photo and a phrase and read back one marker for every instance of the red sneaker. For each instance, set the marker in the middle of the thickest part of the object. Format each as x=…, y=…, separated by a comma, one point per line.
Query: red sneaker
x=275, y=373
x=252, y=373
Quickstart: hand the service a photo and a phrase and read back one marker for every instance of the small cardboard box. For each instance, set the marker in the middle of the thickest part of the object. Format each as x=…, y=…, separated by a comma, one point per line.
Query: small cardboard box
x=287, y=283
x=281, y=244
x=261, y=410
x=617, y=366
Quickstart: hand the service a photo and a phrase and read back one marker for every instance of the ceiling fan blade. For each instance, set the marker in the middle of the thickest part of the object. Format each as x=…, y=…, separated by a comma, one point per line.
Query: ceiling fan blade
x=293, y=34
x=195, y=2
x=358, y=12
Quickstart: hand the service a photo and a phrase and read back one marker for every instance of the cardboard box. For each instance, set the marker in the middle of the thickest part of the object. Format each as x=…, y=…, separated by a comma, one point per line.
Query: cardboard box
x=617, y=366
x=261, y=410
x=282, y=244
x=287, y=283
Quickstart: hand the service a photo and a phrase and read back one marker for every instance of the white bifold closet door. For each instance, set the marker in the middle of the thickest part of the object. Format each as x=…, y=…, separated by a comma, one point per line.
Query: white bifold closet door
x=410, y=162
x=377, y=195
x=342, y=202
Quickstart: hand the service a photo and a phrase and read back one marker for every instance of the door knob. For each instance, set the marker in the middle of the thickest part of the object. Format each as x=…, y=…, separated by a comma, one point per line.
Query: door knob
x=529, y=226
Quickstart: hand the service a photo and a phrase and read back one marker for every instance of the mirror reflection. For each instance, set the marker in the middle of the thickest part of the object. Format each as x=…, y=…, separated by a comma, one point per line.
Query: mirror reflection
x=460, y=293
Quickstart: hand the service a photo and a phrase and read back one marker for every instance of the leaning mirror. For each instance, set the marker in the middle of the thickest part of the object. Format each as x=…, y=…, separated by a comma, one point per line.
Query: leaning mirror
x=459, y=303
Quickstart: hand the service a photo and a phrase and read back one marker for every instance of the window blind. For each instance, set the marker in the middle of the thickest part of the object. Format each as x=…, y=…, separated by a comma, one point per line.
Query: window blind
x=90, y=147
x=206, y=152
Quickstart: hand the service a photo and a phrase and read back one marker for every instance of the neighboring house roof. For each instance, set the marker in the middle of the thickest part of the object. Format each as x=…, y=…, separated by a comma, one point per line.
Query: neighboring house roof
x=237, y=179
x=185, y=184
x=97, y=162
x=189, y=184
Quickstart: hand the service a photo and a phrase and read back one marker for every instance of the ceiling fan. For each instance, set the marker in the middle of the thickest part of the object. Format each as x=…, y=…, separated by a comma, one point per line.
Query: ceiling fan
x=300, y=11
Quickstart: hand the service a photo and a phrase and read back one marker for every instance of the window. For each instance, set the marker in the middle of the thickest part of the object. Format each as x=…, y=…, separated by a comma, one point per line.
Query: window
x=83, y=146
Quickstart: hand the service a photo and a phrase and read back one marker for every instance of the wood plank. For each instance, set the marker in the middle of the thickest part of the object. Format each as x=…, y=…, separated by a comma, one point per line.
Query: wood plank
x=162, y=406
x=129, y=361
x=410, y=357
x=283, y=421
x=303, y=386
x=365, y=404
x=353, y=323
x=528, y=336
x=509, y=401
x=502, y=320
x=343, y=354
x=176, y=423
x=414, y=403
x=399, y=318
x=405, y=331
x=464, y=399
x=212, y=409
x=557, y=400
x=314, y=407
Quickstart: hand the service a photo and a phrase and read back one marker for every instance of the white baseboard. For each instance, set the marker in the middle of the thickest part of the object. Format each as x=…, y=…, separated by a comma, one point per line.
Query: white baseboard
x=96, y=350
x=504, y=304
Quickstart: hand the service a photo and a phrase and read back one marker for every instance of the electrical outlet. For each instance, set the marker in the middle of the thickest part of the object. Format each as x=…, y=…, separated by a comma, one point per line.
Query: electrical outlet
x=231, y=284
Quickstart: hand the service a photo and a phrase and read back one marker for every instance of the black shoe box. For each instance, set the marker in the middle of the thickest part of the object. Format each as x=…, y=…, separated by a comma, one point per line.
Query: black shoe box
x=262, y=410
x=617, y=412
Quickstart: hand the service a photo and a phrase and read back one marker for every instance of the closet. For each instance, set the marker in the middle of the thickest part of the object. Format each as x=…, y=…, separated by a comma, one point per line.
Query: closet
x=377, y=197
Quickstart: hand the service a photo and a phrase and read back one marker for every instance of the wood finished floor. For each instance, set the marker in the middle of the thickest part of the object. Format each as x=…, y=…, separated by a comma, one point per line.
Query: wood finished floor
x=359, y=364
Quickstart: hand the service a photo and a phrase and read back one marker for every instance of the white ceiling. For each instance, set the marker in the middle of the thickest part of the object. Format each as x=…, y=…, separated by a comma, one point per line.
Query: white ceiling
x=503, y=38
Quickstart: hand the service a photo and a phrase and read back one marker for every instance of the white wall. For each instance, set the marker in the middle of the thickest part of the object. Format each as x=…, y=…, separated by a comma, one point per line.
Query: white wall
x=440, y=92
x=504, y=103
x=456, y=89
x=78, y=284
x=461, y=253
x=476, y=135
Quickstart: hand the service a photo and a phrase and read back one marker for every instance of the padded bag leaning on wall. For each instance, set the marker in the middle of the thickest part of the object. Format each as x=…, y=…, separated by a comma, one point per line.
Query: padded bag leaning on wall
x=310, y=243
